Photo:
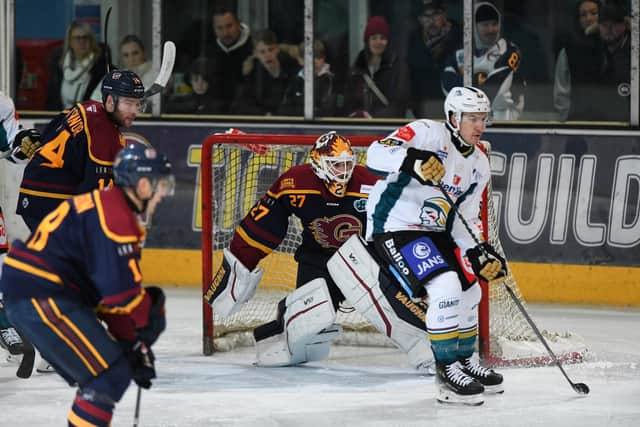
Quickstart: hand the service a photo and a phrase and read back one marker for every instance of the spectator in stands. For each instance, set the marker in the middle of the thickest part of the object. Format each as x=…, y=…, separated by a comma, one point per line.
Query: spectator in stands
x=201, y=99
x=429, y=46
x=614, y=86
x=324, y=94
x=267, y=75
x=233, y=45
x=577, y=64
x=495, y=65
x=77, y=69
x=132, y=58
x=378, y=82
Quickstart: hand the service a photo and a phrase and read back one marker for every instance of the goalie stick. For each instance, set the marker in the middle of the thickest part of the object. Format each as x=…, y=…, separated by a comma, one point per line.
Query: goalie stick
x=580, y=388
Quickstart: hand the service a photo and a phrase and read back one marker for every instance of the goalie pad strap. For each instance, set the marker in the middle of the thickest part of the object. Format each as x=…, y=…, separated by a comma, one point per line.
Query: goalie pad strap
x=232, y=285
x=379, y=300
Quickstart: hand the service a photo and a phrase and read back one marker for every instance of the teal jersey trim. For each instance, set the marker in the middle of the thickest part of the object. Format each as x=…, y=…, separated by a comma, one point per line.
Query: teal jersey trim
x=388, y=200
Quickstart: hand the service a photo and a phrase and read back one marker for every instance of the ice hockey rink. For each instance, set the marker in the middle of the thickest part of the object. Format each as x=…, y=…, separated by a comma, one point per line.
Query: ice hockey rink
x=356, y=386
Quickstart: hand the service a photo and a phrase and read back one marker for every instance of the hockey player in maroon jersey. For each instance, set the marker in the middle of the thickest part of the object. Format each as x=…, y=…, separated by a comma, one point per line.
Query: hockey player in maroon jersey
x=80, y=268
x=329, y=196
x=79, y=146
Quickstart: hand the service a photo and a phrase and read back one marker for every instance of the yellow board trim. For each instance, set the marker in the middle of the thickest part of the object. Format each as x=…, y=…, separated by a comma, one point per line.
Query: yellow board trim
x=548, y=283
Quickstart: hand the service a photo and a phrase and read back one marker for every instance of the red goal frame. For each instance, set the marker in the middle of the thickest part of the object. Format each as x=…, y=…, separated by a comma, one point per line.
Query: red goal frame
x=258, y=143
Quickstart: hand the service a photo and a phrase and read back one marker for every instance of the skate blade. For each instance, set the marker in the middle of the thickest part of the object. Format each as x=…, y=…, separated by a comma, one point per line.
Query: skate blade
x=448, y=397
x=494, y=389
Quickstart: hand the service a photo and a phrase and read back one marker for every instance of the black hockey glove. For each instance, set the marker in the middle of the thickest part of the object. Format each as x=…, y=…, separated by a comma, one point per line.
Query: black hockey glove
x=157, y=320
x=141, y=361
x=486, y=262
x=425, y=166
x=26, y=143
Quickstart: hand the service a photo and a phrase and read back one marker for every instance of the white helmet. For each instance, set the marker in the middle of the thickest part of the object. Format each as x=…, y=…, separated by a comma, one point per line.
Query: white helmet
x=466, y=99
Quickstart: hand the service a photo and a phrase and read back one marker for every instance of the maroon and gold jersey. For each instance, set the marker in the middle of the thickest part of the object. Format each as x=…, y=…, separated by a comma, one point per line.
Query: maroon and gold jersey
x=77, y=154
x=88, y=250
x=327, y=221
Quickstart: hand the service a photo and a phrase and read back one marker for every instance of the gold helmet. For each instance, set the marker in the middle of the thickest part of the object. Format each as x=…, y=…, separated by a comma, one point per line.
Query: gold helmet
x=333, y=161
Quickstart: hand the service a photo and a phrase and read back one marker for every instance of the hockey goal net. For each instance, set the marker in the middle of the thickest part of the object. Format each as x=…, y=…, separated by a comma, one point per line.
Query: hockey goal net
x=237, y=169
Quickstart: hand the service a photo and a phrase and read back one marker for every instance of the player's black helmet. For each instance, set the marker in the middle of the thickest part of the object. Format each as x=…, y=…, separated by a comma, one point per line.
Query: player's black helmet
x=136, y=161
x=122, y=83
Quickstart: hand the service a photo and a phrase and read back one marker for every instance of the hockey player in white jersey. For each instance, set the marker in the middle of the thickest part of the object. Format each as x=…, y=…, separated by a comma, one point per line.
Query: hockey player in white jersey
x=414, y=231
x=17, y=145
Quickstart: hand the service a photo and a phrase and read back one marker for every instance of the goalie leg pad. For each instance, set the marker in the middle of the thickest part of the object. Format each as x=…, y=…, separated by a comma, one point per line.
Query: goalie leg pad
x=305, y=330
x=380, y=301
x=232, y=285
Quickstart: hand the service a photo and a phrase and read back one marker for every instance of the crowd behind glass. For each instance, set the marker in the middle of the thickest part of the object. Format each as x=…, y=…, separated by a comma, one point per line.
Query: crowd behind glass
x=537, y=60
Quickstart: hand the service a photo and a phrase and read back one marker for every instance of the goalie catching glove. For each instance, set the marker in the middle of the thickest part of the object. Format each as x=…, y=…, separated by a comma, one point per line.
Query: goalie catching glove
x=486, y=262
x=425, y=166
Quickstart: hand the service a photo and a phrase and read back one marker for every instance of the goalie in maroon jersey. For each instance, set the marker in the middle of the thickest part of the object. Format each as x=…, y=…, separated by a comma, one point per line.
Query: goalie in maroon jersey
x=329, y=196
x=80, y=271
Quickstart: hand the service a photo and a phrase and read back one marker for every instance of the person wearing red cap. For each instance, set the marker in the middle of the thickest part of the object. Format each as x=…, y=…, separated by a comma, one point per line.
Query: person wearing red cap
x=377, y=85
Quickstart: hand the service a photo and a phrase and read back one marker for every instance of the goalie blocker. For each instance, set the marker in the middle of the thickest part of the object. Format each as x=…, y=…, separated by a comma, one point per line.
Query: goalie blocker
x=374, y=295
x=232, y=285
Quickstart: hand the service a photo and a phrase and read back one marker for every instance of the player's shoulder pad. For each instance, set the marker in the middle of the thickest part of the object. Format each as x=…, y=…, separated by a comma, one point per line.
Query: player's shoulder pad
x=297, y=178
x=117, y=220
x=104, y=139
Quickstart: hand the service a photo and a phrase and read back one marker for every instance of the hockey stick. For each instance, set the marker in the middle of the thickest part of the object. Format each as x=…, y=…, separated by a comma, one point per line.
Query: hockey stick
x=168, y=59
x=107, y=51
x=28, y=359
x=136, y=414
x=580, y=388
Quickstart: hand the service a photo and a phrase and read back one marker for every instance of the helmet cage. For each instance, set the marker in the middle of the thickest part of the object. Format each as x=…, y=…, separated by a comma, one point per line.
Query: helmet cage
x=333, y=161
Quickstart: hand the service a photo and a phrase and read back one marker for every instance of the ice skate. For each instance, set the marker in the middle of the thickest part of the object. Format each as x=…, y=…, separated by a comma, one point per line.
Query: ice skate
x=456, y=387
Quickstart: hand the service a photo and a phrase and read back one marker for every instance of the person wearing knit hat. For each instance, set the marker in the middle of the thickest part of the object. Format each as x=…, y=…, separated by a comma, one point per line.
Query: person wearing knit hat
x=496, y=61
x=488, y=22
x=378, y=82
x=376, y=25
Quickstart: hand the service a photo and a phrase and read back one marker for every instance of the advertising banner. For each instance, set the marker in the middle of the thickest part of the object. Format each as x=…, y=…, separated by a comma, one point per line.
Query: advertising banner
x=564, y=199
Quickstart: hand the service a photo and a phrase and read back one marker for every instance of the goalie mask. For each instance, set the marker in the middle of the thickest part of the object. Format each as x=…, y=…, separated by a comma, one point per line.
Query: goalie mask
x=333, y=161
x=464, y=100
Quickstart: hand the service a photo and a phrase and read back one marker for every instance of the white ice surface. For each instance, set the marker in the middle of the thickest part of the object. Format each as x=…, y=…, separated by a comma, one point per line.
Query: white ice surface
x=356, y=386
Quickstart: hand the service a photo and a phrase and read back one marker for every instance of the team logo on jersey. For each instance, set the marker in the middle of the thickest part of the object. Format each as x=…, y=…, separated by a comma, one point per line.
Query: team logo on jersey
x=423, y=257
x=456, y=179
x=405, y=133
x=331, y=233
x=434, y=212
x=360, y=205
x=390, y=142
x=421, y=250
x=287, y=183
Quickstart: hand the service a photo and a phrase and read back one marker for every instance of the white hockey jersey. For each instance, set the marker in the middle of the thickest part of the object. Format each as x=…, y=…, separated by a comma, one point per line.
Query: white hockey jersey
x=9, y=123
x=399, y=202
